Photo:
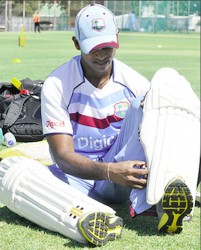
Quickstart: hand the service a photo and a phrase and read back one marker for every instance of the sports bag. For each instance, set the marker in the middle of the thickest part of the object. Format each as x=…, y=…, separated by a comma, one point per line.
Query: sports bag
x=20, y=110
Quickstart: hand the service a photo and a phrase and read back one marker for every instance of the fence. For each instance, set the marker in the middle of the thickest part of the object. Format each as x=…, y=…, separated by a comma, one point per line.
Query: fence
x=142, y=16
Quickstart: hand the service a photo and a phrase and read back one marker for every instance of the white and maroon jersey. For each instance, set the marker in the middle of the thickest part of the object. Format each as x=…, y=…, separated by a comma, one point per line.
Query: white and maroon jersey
x=72, y=105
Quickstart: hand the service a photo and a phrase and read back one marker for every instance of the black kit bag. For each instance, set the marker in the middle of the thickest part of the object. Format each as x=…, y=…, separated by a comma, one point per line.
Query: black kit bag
x=20, y=111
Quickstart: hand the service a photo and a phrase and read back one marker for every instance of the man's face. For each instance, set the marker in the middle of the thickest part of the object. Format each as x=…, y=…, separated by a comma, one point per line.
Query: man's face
x=99, y=60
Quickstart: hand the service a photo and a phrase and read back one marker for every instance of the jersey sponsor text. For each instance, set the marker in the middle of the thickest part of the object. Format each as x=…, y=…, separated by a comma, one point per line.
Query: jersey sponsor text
x=97, y=144
x=54, y=124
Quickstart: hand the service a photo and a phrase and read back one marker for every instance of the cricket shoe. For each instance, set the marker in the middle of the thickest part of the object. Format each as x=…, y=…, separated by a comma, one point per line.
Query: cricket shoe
x=175, y=206
x=98, y=228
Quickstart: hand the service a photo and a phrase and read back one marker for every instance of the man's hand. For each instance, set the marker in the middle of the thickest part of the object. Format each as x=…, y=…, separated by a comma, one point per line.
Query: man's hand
x=132, y=174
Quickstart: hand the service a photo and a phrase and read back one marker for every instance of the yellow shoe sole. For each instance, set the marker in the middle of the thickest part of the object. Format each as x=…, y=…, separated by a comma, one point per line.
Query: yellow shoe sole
x=177, y=202
x=98, y=228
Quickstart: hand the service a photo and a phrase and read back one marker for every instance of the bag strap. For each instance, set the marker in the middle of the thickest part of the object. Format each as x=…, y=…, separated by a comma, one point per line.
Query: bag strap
x=14, y=110
x=7, y=88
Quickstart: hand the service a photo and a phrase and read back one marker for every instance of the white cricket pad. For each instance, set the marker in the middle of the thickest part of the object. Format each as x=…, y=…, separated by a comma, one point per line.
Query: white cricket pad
x=29, y=189
x=170, y=133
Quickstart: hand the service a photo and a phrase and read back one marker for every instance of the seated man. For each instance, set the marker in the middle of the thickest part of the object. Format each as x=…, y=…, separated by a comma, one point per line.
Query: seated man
x=108, y=143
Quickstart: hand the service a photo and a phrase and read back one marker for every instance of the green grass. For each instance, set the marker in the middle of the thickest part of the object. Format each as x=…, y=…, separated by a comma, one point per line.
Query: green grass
x=46, y=51
x=42, y=54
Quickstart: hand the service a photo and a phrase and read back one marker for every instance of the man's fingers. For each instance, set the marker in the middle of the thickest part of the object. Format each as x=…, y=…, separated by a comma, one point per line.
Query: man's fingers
x=139, y=163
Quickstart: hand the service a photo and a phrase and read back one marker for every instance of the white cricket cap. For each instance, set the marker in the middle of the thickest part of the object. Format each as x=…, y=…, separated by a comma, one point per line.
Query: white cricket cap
x=95, y=28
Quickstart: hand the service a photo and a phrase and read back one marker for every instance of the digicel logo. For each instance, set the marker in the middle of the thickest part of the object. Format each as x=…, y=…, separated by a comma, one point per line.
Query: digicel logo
x=54, y=124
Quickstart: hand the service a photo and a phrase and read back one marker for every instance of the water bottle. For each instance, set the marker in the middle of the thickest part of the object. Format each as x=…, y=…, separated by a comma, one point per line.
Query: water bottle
x=1, y=136
x=9, y=139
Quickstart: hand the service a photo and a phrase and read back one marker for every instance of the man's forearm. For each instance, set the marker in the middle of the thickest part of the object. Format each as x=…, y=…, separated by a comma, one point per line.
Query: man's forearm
x=77, y=165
